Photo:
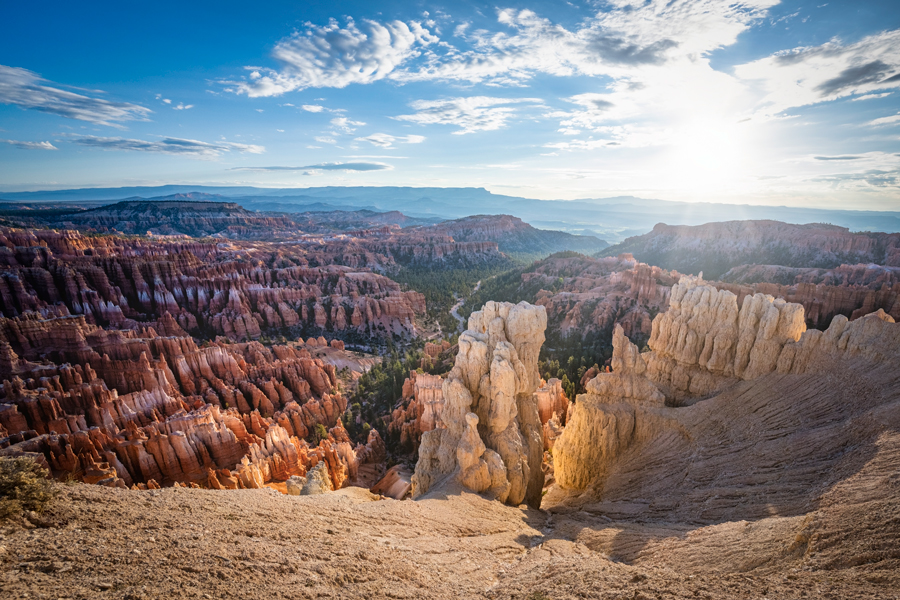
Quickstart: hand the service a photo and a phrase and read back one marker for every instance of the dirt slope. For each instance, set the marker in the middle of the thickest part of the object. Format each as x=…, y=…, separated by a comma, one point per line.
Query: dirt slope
x=184, y=543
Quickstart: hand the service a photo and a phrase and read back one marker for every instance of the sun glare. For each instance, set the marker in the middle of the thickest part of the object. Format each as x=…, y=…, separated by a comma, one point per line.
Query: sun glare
x=709, y=156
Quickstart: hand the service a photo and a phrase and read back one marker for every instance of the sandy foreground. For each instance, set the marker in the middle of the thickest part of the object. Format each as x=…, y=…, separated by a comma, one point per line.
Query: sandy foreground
x=191, y=543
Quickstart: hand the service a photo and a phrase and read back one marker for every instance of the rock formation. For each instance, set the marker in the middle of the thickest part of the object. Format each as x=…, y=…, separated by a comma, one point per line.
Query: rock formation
x=849, y=290
x=419, y=409
x=180, y=216
x=395, y=483
x=714, y=248
x=491, y=441
x=704, y=346
x=553, y=407
x=514, y=235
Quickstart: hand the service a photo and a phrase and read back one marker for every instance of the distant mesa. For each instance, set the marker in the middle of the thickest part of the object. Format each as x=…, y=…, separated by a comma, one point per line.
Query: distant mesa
x=515, y=236
x=612, y=219
x=715, y=248
x=183, y=214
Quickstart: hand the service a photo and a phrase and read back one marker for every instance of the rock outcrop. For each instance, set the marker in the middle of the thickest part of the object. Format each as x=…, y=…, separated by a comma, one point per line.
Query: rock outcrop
x=715, y=248
x=419, y=409
x=704, y=347
x=491, y=441
x=180, y=215
x=514, y=235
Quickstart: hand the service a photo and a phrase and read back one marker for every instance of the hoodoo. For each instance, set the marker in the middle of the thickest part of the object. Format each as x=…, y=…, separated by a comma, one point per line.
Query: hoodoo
x=490, y=436
x=721, y=397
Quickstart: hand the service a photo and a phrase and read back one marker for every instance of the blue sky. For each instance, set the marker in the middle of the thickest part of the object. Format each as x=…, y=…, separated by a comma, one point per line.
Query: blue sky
x=754, y=101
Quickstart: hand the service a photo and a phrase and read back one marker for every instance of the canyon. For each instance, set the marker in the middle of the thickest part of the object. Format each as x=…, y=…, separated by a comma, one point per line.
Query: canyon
x=737, y=437
x=724, y=461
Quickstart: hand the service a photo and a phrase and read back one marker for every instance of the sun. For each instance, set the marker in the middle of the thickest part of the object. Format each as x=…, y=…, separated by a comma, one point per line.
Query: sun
x=709, y=157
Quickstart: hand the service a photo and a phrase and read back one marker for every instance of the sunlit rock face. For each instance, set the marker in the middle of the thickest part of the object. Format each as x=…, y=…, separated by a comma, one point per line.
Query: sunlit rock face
x=704, y=347
x=491, y=439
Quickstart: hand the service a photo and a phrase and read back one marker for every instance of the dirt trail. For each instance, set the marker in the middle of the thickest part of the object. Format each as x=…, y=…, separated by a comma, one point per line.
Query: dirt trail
x=454, y=312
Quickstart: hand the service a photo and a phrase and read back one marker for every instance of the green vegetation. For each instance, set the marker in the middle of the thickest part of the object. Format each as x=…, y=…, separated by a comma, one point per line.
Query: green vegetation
x=320, y=433
x=441, y=288
x=379, y=389
x=508, y=286
x=23, y=486
x=566, y=358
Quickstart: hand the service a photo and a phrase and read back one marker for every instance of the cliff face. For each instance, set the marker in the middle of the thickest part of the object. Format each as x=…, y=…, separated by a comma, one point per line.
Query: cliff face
x=238, y=291
x=514, y=235
x=714, y=248
x=720, y=401
x=491, y=439
x=180, y=217
x=849, y=290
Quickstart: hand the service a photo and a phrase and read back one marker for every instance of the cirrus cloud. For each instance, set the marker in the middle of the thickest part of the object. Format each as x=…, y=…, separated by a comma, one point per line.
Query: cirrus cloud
x=336, y=166
x=28, y=90
x=177, y=146
x=30, y=145
x=470, y=114
x=335, y=56
x=384, y=140
x=810, y=75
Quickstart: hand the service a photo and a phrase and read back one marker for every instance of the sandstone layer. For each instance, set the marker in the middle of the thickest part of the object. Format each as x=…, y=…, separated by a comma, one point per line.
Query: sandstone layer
x=714, y=248
x=491, y=439
x=744, y=400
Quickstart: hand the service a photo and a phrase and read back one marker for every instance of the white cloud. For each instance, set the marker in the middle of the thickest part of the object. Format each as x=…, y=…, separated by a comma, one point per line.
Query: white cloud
x=181, y=106
x=30, y=145
x=385, y=140
x=26, y=89
x=630, y=35
x=810, y=75
x=313, y=108
x=325, y=140
x=891, y=120
x=335, y=56
x=337, y=166
x=167, y=101
x=176, y=146
x=872, y=96
x=345, y=125
x=471, y=114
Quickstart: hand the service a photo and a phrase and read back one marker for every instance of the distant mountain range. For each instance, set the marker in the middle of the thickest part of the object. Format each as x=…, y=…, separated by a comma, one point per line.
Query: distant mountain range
x=199, y=215
x=613, y=219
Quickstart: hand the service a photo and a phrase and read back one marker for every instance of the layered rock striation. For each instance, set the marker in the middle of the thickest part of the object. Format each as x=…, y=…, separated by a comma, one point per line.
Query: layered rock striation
x=491, y=439
x=237, y=291
x=715, y=248
x=419, y=409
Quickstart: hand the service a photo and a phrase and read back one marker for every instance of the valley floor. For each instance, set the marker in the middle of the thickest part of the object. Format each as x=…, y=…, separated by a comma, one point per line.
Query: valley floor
x=99, y=542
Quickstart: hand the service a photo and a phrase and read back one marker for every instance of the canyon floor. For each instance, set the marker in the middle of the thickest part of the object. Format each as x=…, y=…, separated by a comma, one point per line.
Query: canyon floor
x=190, y=543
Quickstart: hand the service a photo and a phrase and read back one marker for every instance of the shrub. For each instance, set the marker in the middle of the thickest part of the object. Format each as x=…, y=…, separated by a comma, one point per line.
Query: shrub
x=23, y=486
x=321, y=432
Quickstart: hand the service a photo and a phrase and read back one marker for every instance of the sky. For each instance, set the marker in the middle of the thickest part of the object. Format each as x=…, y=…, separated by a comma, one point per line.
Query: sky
x=739, y=101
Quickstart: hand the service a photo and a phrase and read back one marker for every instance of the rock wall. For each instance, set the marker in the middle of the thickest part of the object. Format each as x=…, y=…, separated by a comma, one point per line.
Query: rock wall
x=238, y=291
x=715, y=248
x=419, y=409
x=700, y=347
x=491, y=441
